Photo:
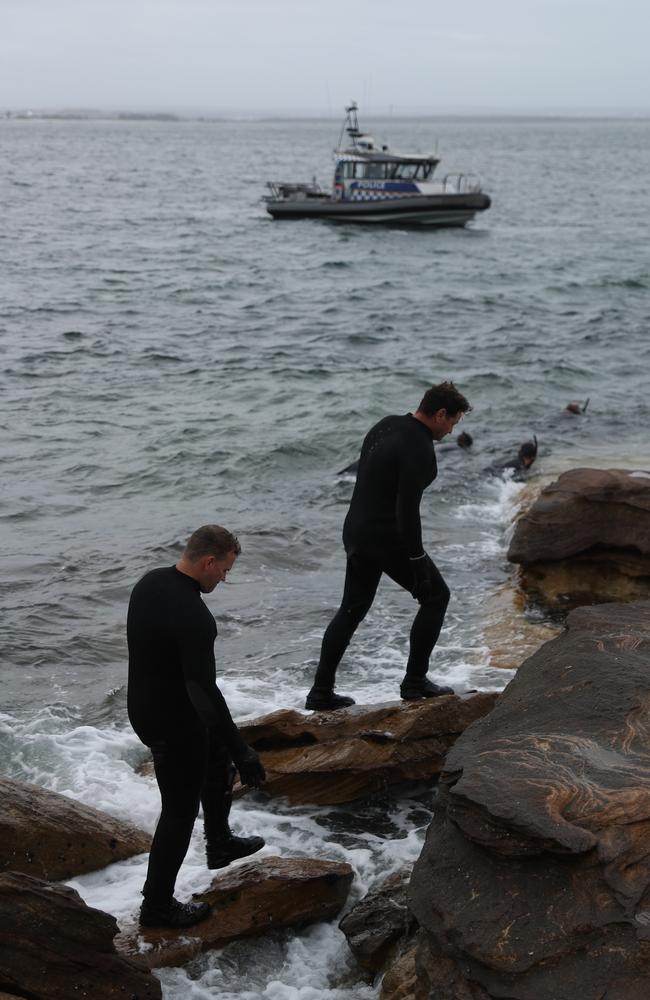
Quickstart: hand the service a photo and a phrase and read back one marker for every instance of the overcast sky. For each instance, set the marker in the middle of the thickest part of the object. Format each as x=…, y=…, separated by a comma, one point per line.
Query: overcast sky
x=315, y=55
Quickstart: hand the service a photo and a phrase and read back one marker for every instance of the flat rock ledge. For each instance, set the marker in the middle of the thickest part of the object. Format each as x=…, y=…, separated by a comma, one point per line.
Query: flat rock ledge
x=534, y=881
x=586, y=539
x=54, y=947
x=326, y=758
x=52, y=837
x=248, y=900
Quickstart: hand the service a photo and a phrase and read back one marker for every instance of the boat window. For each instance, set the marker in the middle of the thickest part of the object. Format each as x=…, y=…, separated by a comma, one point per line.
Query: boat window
x=347, y=168
x=359, y=170
x=405, y=171
x=377, y=171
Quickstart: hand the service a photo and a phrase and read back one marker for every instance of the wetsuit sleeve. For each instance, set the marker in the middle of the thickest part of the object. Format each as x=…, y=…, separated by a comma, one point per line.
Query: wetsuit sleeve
x=213, y=711
x=410, y=488
x=195, y=638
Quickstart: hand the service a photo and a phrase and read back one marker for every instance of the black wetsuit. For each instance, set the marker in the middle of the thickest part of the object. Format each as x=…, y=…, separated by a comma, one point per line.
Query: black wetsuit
x=519, y=470
x=382, y=534
x=176, y=709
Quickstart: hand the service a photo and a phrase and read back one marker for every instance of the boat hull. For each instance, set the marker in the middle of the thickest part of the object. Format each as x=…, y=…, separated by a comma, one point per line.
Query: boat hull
x=433, y=210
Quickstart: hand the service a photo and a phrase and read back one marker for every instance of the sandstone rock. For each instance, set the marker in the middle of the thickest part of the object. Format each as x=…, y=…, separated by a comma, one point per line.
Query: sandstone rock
x=563, y=760
x=401, y=981
x=54, y=947
x=53, y=837
x=420, y=975
x=586, y=539
x=248, y=900
x=379, y=921
x=332, y=757
x=534, y=882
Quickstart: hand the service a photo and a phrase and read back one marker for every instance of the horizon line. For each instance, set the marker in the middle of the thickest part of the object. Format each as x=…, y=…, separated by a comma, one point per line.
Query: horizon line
x=189, y=112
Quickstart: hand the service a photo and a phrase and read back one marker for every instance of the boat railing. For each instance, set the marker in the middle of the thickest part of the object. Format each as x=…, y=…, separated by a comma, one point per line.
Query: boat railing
x=284, y=190
x=461, y=183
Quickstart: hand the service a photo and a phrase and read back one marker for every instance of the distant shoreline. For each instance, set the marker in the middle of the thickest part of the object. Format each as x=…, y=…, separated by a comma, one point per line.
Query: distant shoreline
x=269, y=116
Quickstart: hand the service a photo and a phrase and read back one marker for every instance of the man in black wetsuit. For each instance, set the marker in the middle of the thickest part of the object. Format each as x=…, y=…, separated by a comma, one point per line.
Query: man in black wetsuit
x=177, y=710
x=382, y=534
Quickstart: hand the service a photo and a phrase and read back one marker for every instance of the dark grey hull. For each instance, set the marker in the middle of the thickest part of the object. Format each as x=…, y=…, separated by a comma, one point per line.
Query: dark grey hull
x=434, y=210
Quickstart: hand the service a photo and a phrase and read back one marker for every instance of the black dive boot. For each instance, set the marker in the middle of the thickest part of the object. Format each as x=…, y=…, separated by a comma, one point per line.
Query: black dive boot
x=173, y=914
x=419, y=687
x=323, y=700
x=221, y=844
x=220, y=853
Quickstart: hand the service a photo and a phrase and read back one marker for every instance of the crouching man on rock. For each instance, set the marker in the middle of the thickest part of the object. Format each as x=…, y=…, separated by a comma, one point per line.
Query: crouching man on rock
x=177, y=710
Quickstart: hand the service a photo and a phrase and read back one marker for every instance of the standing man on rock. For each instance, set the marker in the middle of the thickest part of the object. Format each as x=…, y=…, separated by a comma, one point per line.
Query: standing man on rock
x=177, y=710
x=382, y=534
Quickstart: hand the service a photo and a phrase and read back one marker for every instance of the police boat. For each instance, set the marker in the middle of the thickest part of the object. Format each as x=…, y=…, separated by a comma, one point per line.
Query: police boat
x=372, y=184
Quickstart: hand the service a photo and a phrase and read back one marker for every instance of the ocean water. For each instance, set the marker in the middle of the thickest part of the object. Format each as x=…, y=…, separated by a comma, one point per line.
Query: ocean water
x=169, y=356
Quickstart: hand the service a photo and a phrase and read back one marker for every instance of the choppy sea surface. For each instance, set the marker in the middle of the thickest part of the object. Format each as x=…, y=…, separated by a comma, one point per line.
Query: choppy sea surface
x=169, y=356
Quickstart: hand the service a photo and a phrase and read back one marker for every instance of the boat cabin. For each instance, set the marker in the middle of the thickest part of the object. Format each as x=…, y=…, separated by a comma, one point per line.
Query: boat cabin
x=393, y=168
x=365, y=170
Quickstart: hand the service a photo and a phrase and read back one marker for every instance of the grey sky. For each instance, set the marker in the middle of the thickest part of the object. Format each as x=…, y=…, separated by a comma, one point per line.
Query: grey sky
x=314, y=55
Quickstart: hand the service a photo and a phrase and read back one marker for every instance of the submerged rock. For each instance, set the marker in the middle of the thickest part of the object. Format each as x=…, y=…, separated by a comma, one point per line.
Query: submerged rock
x=509, y=634
x=534, y=882
x=52, y=837
x=586, y=539
x=54, y=947
x=248, y=900
x=326, y=758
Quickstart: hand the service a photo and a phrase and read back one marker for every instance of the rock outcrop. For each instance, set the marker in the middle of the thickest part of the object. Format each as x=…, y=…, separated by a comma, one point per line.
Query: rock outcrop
x=326, y=758
x=52, y=837
x=379, y=922
x=54, y=947
x=586, y=539
x=534, y=882
x=248, y=900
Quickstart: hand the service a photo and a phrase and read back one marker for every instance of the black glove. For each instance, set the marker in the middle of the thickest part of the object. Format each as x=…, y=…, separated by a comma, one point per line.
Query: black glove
x=422, y=586
x=250, y=767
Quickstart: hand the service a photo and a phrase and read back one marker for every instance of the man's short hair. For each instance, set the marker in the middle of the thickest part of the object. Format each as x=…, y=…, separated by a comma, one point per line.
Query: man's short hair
x=211, y=540
x=444, y=397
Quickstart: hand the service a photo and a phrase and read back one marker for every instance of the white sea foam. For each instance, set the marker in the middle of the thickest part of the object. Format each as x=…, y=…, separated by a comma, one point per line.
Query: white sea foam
x=499, y=506
x=314, y=964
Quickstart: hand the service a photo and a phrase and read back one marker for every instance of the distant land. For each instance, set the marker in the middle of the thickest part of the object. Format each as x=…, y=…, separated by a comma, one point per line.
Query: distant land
x=234, y=114
x=83, y=115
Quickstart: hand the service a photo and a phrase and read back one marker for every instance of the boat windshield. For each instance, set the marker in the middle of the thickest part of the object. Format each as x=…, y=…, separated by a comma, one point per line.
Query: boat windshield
x=411, y=171
x=371, y=170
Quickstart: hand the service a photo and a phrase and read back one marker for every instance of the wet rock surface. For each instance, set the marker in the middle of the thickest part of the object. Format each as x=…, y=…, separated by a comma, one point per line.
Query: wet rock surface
x=378, y=922
x=248, y=900
x=54, y=947
x=401, y=981
x=50, y=836
x=586, y=538
x=534, y=882
x=326, y=758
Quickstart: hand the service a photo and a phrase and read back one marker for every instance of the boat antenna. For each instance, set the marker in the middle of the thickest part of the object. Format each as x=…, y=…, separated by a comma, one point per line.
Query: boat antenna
x=351, y=124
